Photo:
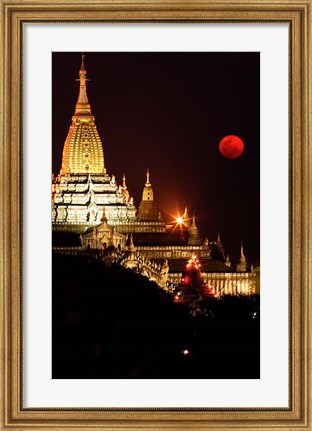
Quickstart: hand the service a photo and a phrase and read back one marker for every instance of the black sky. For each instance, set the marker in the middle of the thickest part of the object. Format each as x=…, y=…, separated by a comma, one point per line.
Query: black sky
x=168, y=112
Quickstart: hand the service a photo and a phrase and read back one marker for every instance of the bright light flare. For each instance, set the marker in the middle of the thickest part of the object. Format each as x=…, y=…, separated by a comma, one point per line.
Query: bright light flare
x=180, y=220
x=177, y=221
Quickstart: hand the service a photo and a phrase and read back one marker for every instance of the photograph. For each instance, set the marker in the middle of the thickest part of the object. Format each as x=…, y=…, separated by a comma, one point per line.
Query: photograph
x=165, y=283
x=155, y=215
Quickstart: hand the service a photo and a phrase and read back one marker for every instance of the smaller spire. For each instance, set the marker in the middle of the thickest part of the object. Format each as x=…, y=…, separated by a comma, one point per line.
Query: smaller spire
x=125, y=191
x=227, y=261
x=242, y=256
x=147, y=184
x=186, y=219
x=193, y=222
x=148, y=208
x=124, y=186
x=131, y=245
x=193, y=237
x=219, y=238
x=103, y=218
x=242, y=264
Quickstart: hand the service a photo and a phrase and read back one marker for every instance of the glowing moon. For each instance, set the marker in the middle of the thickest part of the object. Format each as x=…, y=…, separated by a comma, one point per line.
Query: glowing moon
x=231, y=146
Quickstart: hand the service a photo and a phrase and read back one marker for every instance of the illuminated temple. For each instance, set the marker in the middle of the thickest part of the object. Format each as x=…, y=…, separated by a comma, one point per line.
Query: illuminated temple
x=91, y=211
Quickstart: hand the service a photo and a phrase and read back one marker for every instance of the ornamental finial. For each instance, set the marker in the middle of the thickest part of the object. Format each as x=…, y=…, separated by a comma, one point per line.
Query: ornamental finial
x=83, y=107
x=148, y=178
x=242, y=253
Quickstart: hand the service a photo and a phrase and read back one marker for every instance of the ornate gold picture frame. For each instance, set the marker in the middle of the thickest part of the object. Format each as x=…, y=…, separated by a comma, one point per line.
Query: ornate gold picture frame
x=14, y=416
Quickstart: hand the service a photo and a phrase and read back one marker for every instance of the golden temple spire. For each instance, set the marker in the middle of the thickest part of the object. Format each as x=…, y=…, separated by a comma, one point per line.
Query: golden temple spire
x=83, y=106
x=83, y=151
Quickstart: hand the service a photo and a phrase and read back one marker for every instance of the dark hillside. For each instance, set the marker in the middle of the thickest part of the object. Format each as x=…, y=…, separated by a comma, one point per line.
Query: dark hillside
x=109, y=322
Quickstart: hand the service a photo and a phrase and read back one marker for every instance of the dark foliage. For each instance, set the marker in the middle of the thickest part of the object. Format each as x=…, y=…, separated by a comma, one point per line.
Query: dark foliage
x=113, y=323
x=217, y=251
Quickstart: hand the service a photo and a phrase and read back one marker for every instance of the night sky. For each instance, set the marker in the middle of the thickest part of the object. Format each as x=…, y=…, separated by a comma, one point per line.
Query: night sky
x=168, y=112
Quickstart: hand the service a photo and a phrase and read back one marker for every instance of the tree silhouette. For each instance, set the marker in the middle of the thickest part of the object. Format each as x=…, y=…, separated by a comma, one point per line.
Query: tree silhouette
x=217, y=251
x=111, y=323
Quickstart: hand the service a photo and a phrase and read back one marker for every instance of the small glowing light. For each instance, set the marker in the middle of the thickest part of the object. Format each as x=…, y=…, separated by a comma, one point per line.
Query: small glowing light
x=186, y=352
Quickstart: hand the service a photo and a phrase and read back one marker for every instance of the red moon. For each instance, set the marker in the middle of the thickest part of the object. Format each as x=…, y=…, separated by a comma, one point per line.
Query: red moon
x=231, y=146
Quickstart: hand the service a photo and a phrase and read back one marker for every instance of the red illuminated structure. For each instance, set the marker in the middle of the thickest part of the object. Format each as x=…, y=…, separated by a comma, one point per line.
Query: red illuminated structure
x=192, y=287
